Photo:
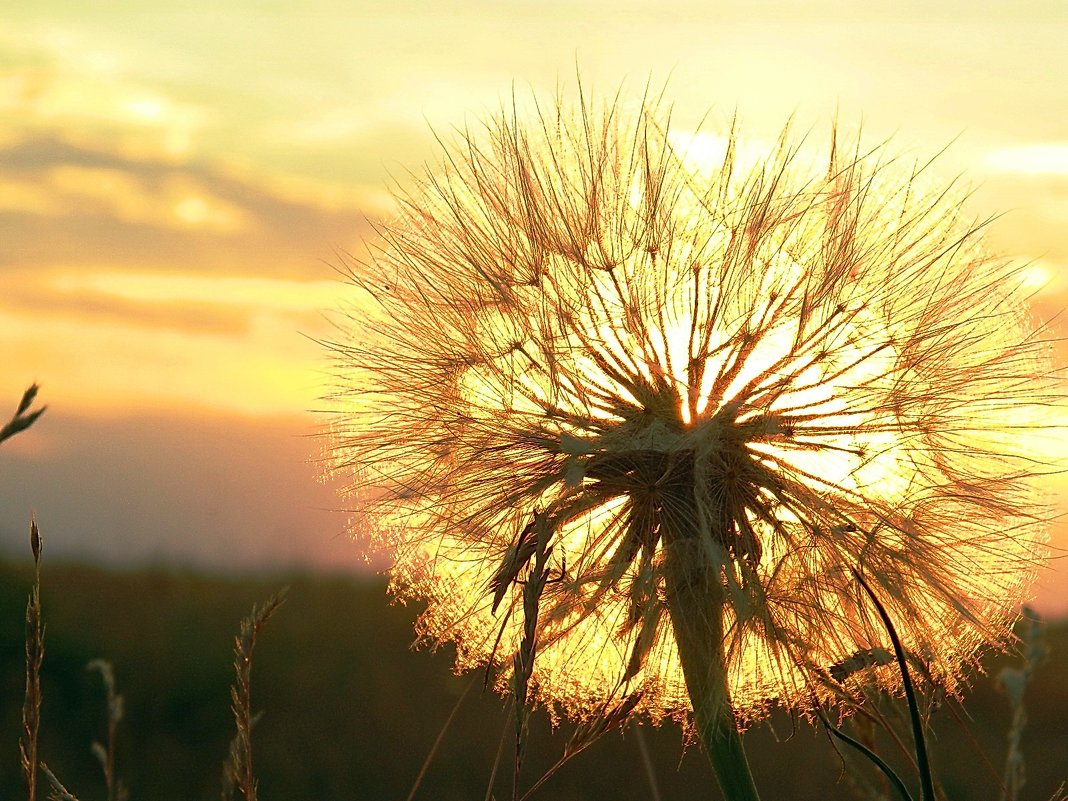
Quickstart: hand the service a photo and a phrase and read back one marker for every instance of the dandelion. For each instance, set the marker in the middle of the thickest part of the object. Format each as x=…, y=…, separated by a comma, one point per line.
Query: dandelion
x=632, y=424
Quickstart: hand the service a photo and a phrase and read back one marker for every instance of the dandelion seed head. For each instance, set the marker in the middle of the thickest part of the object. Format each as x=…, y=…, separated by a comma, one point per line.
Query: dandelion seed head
x=592, y=339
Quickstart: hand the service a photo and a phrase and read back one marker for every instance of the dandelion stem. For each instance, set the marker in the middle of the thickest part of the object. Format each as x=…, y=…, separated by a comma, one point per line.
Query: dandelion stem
x=695, y=599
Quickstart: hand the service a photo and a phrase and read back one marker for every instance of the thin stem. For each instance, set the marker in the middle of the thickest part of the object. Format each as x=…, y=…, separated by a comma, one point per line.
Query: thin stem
x=891, y=776
x=439, y=739
x=31, y=706
x=497, y=759
x=923, y=764
x=237, y=770
x=695, y=600
x=647, y=761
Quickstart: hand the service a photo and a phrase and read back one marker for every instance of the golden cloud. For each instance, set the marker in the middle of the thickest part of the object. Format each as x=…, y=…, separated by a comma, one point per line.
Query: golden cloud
x=174, y=201
x=1037, y=158
x=105, y=339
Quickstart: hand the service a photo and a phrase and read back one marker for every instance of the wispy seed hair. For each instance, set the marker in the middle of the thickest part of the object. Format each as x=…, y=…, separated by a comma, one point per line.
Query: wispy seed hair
x=578, y=349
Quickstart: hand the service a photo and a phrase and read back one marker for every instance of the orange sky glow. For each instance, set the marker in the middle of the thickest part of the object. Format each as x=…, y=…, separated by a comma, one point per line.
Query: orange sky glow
x=178, y=185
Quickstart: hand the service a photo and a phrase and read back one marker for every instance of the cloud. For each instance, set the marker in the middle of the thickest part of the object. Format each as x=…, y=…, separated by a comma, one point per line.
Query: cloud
x=196, y=304
x=103, y=338
x=145, y=282
x=175, y=201
x=56, y=79
x=152, y=256
x=40, y=301
x=1040, y=158
x=101, y=364
x=69, y=202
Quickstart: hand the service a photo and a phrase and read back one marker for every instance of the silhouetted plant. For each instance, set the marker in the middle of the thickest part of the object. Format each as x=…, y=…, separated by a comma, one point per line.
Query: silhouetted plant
x=693, y=437
x=23, y=417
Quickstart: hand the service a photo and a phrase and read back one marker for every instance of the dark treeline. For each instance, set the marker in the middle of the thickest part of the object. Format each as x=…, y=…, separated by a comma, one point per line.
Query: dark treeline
x=351, y=711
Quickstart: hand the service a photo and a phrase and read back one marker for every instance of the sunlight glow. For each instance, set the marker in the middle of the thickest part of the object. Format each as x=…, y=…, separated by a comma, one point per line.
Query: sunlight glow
x=165, y=340
x=252, y=293
x=164, y=369
x=1046, y=158
x=148, y=108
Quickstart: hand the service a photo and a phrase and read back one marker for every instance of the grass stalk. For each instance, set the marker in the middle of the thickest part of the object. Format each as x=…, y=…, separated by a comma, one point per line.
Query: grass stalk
x=612, y=716
x=23, y=417
x=497, y=761
x=868, y=754
x=647, y=762
x=105, y=752
x=58, y=792
x=438, y=740
x=31, y=705
x=539, y=532
x=238, y=775
x=1013, y=682
x=923, y=763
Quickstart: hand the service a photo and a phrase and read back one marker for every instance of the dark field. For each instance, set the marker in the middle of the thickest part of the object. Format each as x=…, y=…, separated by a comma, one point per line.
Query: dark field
x=350, y=711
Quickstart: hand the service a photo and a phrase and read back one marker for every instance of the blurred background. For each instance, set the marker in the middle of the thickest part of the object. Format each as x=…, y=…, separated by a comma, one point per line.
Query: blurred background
x=351, y=713
x=179, y=181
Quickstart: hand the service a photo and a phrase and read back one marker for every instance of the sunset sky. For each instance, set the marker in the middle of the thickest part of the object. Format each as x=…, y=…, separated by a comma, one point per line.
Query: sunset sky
x=178, y=183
